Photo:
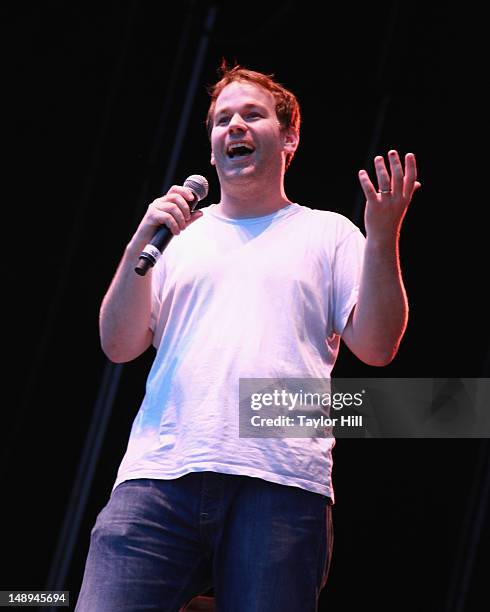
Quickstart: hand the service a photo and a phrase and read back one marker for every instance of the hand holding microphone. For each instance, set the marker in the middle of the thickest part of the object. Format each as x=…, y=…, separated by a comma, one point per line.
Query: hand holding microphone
x=178, y=204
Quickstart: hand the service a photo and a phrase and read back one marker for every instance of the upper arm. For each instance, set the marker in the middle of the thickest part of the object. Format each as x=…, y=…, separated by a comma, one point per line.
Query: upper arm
x=138, y=346
x=352, y=341
x=348, y=333
x=358, y=345
x=145, y=343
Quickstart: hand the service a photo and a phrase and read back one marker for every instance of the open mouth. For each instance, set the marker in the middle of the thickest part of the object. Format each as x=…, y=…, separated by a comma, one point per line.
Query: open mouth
x=239, y=150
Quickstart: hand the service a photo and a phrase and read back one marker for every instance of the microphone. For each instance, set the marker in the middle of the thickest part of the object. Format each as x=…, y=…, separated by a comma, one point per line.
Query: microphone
x=152, y=251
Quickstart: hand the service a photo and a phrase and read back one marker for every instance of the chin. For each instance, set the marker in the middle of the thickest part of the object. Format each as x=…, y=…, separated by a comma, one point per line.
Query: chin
x=238, y=172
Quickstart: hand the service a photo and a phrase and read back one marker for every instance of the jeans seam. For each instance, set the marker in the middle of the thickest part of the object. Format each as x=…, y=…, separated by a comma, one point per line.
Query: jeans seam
x=329, y=549
x=324, y=546
x=182, y=591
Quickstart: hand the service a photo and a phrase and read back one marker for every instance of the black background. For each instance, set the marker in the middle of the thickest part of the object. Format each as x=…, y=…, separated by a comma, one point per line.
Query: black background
x=96, y=94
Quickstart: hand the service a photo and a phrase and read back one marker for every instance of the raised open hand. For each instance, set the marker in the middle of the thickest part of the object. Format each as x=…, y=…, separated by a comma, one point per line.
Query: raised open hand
x=386, y=206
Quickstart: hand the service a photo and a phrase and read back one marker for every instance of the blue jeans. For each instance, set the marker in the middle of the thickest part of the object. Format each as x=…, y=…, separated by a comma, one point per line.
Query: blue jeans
x=159, y=543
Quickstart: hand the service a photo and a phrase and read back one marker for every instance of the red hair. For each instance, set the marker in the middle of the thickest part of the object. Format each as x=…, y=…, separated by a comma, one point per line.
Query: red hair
x=287, y=106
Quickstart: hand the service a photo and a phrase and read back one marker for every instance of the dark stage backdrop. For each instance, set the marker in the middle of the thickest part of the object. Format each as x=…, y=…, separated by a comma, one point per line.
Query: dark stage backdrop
x=97, y=92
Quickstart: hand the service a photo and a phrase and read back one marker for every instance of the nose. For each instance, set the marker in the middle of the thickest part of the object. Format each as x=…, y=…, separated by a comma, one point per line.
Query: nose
x=236, y=124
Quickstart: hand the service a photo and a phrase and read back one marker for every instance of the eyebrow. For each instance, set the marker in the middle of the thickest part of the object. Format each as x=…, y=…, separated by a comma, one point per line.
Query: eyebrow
x=247, y=106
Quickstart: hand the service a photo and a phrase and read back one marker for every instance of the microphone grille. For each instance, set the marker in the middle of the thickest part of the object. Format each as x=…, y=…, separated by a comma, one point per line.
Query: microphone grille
x=198, y=184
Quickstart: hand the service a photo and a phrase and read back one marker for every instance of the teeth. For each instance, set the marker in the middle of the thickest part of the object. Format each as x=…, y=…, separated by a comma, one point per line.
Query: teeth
x=238, y=145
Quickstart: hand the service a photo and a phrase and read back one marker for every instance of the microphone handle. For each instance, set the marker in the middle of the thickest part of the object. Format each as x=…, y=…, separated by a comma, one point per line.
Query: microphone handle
x=152, y=251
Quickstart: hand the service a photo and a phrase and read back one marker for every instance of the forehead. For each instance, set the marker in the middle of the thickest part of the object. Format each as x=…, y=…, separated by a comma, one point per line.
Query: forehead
x=240, y=93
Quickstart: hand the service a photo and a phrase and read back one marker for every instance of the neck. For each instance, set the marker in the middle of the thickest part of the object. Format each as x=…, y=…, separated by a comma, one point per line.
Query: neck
x=251, y=200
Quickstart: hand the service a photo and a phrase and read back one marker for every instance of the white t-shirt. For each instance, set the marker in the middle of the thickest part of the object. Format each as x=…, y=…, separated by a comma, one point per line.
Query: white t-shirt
x=264, y=297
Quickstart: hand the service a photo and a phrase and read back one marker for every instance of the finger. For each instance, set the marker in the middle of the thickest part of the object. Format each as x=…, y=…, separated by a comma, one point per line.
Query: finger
x=396, y=172
x=165, y=218
x=384, y=183
x=181, y=216
x=416, y=186
x=410, y=175
x=175, y=203
x=170, y=209
x=197, y=214
x=186, y=193
x=367, y=186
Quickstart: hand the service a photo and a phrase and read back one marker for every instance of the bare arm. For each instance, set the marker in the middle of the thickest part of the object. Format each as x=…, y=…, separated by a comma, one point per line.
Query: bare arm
x=126, y=308
x=379, y=319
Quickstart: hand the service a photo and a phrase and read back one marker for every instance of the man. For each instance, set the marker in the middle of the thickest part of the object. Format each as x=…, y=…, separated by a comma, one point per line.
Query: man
x=254, y=286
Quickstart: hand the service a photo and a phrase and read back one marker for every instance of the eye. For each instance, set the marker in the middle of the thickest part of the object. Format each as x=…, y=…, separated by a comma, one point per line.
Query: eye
x=254, y=115
x=222, y=120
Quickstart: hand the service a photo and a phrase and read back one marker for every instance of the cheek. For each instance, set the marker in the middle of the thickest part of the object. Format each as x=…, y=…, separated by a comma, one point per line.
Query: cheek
x=213, y=148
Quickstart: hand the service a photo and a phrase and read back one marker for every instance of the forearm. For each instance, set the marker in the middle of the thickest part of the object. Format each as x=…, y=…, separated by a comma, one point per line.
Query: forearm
x=381, y=313
x=379, y=319
x=126, y=310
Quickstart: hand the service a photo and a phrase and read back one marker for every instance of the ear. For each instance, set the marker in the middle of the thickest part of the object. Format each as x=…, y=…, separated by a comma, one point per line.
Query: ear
x=213, y=161
x=290, y=140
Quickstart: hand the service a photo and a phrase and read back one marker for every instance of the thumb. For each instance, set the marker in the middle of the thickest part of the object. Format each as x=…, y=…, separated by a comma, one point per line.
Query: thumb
x=195, y=214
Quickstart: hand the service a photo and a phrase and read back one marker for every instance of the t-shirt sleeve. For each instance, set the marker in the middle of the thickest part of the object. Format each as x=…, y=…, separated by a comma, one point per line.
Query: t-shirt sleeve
x=346, y=272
